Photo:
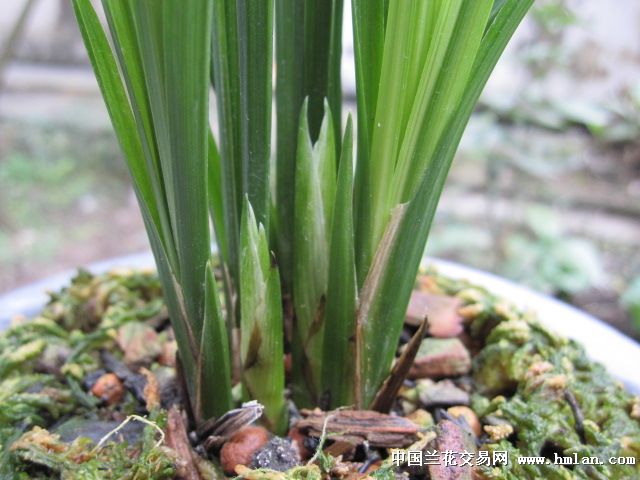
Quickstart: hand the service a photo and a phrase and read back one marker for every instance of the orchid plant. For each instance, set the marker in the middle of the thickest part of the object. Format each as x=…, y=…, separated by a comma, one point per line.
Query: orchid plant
x=319, y=234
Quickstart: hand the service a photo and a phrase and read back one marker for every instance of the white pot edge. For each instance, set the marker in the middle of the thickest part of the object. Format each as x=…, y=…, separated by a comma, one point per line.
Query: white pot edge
x=617, y=352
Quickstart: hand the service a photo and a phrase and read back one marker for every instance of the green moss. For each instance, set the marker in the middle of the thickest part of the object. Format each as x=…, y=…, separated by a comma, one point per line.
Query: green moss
x=524, y=376
x=529, y=378
x=42, y=365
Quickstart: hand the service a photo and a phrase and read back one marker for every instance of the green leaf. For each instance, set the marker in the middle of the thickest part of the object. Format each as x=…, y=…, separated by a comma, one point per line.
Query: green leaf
x=289, y=99
x=314, y=199
x=115, y=97
x=369, y=19
x=174, y=49
x=216, y=197
x=385, y=295
x=322, y=52
x=338, y=362
x=255, y=25
x=438, y=96
x=308, y=51
x=214, y=364
x=163, y=50
x=120, y=19
x=261, y=339
x=226, y=78
x=388, y=128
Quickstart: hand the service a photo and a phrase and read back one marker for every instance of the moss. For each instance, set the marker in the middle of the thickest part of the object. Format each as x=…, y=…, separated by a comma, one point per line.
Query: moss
x=42, y=365
x=539, y=390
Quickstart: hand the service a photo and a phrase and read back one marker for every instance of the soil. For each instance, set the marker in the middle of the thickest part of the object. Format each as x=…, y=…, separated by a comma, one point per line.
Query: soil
x=89, y=390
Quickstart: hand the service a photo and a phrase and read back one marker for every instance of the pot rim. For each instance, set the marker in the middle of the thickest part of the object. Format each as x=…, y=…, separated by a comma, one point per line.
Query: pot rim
x=604, y=344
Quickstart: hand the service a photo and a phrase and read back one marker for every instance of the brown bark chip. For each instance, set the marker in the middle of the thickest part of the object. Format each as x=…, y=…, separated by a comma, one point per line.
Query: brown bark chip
x=356, y=426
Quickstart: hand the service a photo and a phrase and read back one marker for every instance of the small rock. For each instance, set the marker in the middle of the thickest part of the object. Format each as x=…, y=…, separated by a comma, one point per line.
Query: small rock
x=96, y=430
x=132, y=381
x=167, y=382
x=300, y=439
x=451, y=437
x=279, y=454
x=52, y=359
x=91, y=378
x=421, y=417
x=441, y=357
x=242, y=447
x=407, y=407
x=168, y=354
x=139, y=343
x=151, y=390
x=469, y=416
x=442, y=310
x=108, y=388
x=635, y=408
x=444, y=393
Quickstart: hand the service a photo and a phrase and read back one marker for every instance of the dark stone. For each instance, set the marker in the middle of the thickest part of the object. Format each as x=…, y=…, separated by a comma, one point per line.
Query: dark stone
x=96, y=429
x=444, y=393
x=92, y=377
x=279, y=454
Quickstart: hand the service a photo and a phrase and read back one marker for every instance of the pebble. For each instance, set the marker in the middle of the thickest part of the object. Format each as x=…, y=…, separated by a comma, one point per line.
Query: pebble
x=108, y=388
x=300, y=440
x=242, y=448
x=442, y=310
x=451, y=437
x=444, y=393
x=441, y=357
x=421, y=417
x=469, y=416
x=96, y=430
x=278, y=454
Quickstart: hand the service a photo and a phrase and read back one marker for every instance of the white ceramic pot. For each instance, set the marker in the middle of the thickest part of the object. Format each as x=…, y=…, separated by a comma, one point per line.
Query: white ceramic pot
x=617, y=352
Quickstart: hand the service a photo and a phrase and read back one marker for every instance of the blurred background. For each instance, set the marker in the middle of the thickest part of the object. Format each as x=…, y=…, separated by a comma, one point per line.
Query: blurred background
x=545, y=189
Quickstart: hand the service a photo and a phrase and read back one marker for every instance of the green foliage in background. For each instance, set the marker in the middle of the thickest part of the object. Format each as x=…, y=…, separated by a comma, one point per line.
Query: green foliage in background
x=347, y=230
x=551, y=261
x=631, y=301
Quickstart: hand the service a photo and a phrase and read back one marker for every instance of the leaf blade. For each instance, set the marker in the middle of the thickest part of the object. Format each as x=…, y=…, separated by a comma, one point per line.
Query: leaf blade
x=261, y=345
x=384, y=306
x=214, y=364
x=315, y=184
x=338, y=369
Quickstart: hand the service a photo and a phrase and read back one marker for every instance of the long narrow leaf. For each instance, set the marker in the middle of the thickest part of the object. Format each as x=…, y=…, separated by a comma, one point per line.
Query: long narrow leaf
x=428, y=126
x=308, y=50
x=163, y=50
x=322, y=51
x=115, y=97
x=255, y=30
x=214, y=365
x=226, y=77
x=120, y=18
x=215, y=196
x=338, y=362
x=388, y=287
x=369, y=18
x=289, y=99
